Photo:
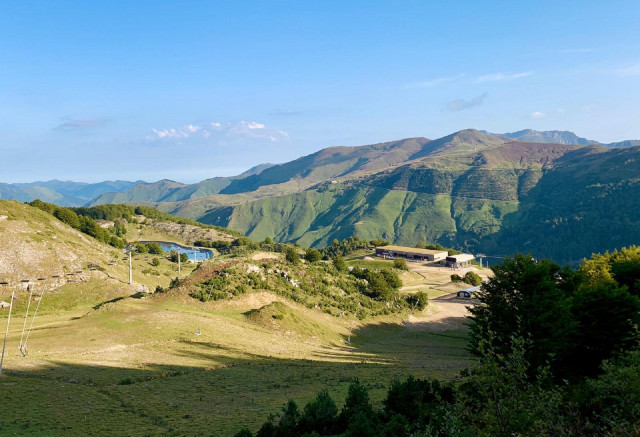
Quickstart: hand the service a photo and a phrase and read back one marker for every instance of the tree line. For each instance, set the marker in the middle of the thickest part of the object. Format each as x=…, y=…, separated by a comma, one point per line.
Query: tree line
x=557, y=352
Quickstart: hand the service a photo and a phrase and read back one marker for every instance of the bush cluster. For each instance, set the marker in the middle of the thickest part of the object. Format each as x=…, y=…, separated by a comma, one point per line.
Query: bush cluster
x=84, y=224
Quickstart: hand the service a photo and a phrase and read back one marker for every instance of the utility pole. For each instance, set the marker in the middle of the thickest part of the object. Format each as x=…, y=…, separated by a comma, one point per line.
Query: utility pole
x=481, y=256
x=13, y=292
x=128, y=250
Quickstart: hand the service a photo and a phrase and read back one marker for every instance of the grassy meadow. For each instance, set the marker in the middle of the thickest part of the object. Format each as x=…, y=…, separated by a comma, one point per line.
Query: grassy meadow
x=101, y=361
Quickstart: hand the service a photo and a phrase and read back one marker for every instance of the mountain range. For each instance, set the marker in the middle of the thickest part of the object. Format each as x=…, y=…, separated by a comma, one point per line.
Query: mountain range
x=561, y=137
x=560, y=196
x=63, y=193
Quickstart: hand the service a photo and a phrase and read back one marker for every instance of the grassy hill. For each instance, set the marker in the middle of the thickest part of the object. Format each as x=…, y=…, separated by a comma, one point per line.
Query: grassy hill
x=105, y=359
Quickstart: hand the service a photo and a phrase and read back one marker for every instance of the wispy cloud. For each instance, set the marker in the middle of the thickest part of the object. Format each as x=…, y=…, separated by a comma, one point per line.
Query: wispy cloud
x=435, y=82
x=461, y=104
x=499, y=77
x=630, y=70
x=75, y=124
x=576, y=50
x=216, y=131
x=286, y=112
x=538, y=114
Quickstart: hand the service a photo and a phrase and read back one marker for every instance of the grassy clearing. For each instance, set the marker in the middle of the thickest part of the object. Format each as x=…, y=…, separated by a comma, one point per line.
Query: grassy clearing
x=113, y=364
x=103, y=362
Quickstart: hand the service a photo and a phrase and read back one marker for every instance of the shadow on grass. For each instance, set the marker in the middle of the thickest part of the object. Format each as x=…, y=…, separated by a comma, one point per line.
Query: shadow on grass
x=114, y=300
x=229, y=387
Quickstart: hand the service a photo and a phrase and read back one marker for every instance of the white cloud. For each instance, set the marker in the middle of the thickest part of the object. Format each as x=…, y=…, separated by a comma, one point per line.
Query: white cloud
x=538, y=114
x=253, y=124
x=170, y=133
x=218, y=132
x=435, y=82
x=498, y=77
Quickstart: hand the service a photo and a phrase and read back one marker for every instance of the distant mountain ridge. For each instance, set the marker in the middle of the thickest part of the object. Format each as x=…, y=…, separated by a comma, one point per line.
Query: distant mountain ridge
x=561, y=137
x=63, y=193
x=471, y=190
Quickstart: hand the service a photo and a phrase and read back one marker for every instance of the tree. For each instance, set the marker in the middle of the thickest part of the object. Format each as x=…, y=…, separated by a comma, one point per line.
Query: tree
x=319, y=415
x=357, y=401
x=312, y=255
x=418, y=300
x=379, y=242
x=141, y=248
x=500, y=396
x=379, y=288
x=67, y=216
x=339, y=264
x=289, y=420
x=472, y=278
x=155, y=262
x=173, y=256
x=606, y=316
x=154, y=248
x=119, y=228
x=526, y=299
x=400, y=264
x=291, y=255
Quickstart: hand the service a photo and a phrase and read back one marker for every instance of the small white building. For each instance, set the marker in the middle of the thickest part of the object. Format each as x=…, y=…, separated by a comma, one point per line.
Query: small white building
x=459, y=261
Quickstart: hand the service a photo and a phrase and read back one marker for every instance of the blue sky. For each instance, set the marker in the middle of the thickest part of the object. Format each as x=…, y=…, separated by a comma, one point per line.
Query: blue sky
x=188, y=90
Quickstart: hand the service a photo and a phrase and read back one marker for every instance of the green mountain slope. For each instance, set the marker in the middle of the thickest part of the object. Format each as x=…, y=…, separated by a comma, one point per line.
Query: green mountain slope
x=472, y=190
x=589, y=203
x=553, y=200
x=269, y=179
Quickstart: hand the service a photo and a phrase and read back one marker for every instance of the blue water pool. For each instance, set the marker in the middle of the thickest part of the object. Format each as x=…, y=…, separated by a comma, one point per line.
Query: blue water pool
x=195, y=253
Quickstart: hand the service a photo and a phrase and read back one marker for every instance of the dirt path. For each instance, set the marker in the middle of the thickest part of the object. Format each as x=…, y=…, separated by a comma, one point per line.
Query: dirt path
x=445, y=313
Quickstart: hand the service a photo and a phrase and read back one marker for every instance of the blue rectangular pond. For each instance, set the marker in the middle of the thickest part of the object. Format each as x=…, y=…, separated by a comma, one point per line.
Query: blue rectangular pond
x=194, y=253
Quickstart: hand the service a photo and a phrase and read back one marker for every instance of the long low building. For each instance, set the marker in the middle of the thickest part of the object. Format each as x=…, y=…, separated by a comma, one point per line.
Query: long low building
x=459, y=260
x=410, y=253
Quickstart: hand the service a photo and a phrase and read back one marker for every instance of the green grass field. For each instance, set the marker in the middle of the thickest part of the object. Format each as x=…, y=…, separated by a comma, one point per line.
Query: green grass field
x=105, y=359
x=112, y=364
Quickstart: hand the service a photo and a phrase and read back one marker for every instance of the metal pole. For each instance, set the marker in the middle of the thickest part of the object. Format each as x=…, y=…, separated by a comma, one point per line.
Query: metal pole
x=130, y=270
x=25, y=350
x=7, y=331
x=25, y=319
